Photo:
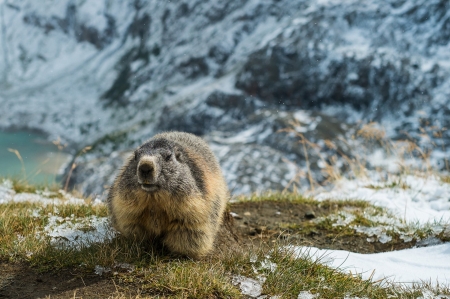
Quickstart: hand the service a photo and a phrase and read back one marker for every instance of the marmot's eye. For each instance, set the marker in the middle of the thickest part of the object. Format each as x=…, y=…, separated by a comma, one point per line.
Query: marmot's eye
x=168, y=157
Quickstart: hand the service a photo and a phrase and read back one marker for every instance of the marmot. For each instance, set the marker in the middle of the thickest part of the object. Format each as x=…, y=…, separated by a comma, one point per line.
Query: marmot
x=171, y=189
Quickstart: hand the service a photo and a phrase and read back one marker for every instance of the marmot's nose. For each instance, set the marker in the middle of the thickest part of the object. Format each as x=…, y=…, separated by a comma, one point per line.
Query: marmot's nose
x=146, y=170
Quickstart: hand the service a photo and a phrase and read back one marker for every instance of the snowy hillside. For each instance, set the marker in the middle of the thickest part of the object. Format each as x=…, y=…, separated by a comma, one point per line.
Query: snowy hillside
x=110, y=74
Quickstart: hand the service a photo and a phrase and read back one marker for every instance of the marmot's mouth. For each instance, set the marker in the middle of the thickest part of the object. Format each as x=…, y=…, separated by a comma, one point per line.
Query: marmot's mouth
x=149, y=187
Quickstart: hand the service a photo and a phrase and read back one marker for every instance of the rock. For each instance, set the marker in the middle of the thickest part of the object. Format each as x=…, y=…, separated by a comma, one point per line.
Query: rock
x=152, y=66
x=310, y=214
x=235, y=216
x=252, y=232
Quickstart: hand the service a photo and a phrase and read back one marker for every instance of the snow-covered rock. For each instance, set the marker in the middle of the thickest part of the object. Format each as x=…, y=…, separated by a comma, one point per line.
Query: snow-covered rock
x=111, y=74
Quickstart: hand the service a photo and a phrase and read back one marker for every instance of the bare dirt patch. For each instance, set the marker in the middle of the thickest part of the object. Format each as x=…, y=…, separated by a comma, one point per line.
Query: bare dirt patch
x=268, y=221
x=22, y=281
x=256, y=223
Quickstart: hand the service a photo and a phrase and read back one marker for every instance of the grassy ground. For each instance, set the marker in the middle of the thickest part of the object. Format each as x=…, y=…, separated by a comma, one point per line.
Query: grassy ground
x=34, y=264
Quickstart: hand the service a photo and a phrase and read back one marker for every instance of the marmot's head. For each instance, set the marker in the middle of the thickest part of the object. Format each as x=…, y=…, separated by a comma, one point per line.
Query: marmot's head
x=161, y=165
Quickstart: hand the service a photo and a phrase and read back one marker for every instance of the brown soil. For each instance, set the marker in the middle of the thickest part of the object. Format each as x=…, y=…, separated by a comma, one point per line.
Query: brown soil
x=21, y=281
x=267, y=221
x=257, y=223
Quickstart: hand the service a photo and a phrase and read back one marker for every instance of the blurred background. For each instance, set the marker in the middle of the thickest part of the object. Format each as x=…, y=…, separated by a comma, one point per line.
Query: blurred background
x=289, y=94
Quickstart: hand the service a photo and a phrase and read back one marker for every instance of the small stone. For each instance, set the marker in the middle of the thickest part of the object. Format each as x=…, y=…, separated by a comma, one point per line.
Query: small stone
x=310, y=215
x=247, y=213
x=235, y=215
x=252, y=232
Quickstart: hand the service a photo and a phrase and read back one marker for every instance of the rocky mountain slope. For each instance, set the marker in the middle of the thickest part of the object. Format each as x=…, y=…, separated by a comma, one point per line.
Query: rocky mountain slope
x=110, y=74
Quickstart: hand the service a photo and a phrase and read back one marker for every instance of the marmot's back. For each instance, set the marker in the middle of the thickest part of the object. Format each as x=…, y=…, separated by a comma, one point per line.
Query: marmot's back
x=172, y=188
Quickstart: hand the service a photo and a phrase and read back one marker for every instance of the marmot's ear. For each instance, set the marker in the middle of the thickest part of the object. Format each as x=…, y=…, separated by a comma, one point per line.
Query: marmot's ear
x=178, y=155
x=135, y=155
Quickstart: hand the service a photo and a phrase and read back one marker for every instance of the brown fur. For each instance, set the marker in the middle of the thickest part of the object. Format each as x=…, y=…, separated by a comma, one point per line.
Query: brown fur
x=186, y=210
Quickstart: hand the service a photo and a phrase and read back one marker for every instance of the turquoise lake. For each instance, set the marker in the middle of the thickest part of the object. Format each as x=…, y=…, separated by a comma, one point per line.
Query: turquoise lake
x=42, y=160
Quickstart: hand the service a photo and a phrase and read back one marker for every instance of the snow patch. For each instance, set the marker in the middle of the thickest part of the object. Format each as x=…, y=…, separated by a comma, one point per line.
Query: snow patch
x=248, y=286
x=411, y=198
x=425, y=264
x=307, y=295
x=78, y=233
x=7, y=194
